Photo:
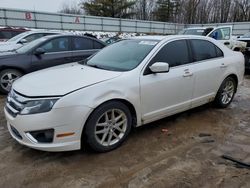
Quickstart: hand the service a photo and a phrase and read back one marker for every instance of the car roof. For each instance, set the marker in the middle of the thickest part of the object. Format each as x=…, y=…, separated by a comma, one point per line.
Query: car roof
x=207, y=27
x=169, y=37
x=72, y=35
x=41, y=31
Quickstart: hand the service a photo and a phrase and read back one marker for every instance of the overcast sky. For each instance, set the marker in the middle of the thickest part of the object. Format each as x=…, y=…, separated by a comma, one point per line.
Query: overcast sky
x=38, y=5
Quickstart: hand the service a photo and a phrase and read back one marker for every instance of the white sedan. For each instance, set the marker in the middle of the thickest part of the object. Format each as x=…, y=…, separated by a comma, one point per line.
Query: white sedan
x=128, y=84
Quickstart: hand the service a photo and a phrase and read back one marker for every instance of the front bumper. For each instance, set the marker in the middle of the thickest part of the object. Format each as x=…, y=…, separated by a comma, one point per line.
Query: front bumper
x=62, y=120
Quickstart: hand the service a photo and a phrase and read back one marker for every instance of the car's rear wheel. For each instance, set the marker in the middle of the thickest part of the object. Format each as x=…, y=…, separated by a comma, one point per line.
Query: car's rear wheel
x=108, y=126
x=226, y=93
x=7, y=77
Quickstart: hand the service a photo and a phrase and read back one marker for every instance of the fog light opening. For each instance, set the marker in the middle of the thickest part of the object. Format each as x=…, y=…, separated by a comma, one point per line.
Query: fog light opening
x=42, y=136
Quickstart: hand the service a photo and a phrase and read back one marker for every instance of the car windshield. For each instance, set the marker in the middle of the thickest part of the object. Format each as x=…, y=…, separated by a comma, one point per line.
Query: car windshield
x=30, y=45
x=122, y=56
x=17, y=37
x=193, y=32
x=247, y=35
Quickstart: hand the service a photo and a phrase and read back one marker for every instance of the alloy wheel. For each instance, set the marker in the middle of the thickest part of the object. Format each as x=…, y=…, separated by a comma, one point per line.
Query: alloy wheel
x=7, y=80
x=227, y=92
x=111, y=127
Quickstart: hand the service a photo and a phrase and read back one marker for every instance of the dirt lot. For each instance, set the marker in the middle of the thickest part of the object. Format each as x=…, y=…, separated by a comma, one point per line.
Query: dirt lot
x=167, y=153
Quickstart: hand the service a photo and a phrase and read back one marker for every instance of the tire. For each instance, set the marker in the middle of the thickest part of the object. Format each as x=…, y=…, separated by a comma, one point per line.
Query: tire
x=108, y=135
x=226, y=93
x=7, y=77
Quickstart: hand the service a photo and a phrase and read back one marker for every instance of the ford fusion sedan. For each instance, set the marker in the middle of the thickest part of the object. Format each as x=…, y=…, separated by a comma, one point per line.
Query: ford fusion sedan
x=128, y=84
x=43, y=53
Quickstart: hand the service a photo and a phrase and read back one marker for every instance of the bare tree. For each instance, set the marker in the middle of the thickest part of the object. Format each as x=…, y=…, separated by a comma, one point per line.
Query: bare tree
x=144, y=9
x=71, y=8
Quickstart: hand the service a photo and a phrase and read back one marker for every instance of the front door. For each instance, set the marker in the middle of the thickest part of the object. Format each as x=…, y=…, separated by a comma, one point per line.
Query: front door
x=223, y=34
x=164, y=94
x=57, y=52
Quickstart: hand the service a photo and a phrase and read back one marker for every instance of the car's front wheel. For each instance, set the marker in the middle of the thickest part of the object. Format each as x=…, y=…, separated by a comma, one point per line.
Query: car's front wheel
x=7, y=77
x=108, y=126
x=226, y=93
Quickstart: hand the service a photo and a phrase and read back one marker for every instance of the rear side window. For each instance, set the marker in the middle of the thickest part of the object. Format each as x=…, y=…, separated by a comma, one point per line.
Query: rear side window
x=174, y=53
x=98, y=45
x=203, y=50
x=81, y=43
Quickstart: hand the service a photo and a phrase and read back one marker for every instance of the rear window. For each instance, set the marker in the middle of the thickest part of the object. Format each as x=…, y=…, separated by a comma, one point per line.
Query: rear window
x=80, y=43
x=205, y=50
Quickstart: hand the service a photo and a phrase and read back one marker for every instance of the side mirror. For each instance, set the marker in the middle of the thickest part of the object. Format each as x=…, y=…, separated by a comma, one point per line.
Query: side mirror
x=39, y=51
x=159, y=67
x=23, y=41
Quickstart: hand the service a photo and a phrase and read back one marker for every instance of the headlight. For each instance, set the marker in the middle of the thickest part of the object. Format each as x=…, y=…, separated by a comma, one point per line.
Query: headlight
x=38, y=106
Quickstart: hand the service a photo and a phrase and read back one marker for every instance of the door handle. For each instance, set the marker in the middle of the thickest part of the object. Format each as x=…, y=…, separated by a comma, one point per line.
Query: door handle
x=187, y=73
x=227, y=43
x=223, y=65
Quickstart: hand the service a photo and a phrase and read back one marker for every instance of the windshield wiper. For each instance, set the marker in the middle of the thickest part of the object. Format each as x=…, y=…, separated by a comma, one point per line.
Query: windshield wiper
x=83, y=62
x=95, y=66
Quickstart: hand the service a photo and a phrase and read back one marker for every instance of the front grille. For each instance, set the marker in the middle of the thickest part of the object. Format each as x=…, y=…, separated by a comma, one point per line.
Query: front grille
x=16, y=133
x=15, y=103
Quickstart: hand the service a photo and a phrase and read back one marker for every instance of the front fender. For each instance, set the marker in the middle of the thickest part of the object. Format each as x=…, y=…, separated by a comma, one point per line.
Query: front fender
x=94, y=96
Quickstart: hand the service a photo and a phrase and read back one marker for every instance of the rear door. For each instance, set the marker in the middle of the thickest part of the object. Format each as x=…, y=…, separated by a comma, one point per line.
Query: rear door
x=83, y=47
x=57, y=52
x=208, y=69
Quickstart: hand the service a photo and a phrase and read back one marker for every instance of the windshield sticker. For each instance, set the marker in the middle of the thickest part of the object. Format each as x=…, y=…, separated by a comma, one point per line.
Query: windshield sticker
x=152, y=43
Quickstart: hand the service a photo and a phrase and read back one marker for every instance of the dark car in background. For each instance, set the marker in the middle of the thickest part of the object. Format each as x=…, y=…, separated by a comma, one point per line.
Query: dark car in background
x=24, y=38
x=43, y=53
x=8, y=32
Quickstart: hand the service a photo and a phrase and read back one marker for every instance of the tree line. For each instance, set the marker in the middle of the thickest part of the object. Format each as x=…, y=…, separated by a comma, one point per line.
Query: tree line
x=180, y=11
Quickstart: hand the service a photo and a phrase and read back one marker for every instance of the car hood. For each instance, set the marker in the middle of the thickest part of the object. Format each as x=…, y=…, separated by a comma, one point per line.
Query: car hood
x=7, y=46
x=61, y=80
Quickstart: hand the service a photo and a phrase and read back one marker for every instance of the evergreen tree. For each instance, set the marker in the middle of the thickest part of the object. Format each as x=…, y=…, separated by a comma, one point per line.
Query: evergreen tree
x=109, y=8
x=166, y=10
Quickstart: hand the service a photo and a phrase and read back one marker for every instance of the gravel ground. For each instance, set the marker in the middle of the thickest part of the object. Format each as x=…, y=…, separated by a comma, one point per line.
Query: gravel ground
x=168, y=153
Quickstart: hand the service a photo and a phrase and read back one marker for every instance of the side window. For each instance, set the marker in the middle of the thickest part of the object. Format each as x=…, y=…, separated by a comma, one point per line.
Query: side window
x=33, y=37
x=174, y=53
x=98, y=45
x=221, y=34
x=81, y=43
x=219, y=52
x=56, y=45
x=203, y=50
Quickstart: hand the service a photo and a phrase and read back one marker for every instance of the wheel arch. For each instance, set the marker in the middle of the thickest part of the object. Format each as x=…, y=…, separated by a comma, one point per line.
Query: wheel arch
x=125, y=102
x=14, y=68
x=232, y=75
x=235, y=77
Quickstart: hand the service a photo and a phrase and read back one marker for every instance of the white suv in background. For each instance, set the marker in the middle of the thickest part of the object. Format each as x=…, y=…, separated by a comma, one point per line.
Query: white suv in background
x=127, y=84
x=222, y=34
